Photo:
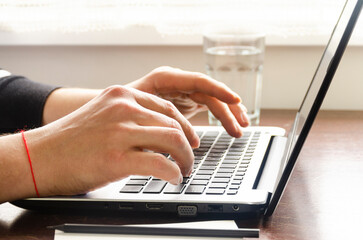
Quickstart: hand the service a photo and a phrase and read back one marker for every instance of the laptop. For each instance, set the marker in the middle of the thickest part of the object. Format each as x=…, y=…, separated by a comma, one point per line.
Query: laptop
x=231, y=175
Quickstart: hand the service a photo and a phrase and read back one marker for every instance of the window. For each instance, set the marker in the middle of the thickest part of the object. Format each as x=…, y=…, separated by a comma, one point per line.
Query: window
x=163, y=21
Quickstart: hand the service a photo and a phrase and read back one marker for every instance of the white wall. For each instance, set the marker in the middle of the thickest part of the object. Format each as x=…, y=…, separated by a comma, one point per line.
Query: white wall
x=287, y=72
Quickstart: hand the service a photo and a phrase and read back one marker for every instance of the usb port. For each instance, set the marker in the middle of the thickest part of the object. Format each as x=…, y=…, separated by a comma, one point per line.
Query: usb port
x=126, y=206
x=154, y=206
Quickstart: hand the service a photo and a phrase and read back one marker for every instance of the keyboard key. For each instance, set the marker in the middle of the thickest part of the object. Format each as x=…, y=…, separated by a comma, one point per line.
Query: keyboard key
x=202, y=177
x=210, y=163
x=232, y=157
x=211, y=133
x=196, y=158
x=205, y=145
x=216, y=191
x=194, y=189
x=236, y=182
x=238, y=145
x=237, y=177
x=234, y=187
x=232, y=192
x=139, y=178
x=225, y=145
x=205, y=172
x=221, y=151
x=212, y=158
x=221, y=180
x=131, y=189
x=218, y=185
x=215, y=155
x=219, y=147
x=227, y=161
x=228, y=165
x=199, y=154
x=137, y=182
x=223, y=175
x=225, y=170
x=240, y=174
x=235, y=154
x=201, y=149
x=199, y=182
x=207, y=167
x=155, y=186
x=174, y=189
x=186, y=180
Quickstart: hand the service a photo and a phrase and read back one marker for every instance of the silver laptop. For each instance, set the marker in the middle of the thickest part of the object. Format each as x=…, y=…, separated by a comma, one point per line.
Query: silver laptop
x=231, y=175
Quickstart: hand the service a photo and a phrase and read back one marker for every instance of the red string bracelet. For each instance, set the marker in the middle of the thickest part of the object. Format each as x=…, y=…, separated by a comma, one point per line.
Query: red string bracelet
x=30, y=162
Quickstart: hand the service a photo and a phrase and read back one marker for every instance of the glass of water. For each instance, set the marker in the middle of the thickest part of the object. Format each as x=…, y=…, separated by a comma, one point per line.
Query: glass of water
x=235, y=57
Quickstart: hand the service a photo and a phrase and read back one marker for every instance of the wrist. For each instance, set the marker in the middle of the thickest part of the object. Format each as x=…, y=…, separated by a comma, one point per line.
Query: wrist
x=63, y=101
x=15, y=176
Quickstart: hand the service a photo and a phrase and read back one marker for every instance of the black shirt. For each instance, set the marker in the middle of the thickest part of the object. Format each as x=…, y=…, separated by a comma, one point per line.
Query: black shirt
x=21, y=103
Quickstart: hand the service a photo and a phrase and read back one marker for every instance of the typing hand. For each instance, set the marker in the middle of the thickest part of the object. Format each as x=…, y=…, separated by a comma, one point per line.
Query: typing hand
x=193, y=92
x=104, y=141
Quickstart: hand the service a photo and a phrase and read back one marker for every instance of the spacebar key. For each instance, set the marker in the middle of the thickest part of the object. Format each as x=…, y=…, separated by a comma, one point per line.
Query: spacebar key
x=155, y=186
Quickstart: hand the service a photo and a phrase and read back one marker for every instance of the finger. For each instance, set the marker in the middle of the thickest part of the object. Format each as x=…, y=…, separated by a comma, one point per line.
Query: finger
x=162, y=106
x=154, y=164
x=172, y=79
x=239, y=112
x=165, y=140
x=221, y=111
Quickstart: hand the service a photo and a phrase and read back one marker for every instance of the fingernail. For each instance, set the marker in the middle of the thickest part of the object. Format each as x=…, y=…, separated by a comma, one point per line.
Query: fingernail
x=238, y=97
x=244, y=108
x=238, y=129
x=245, y=118
x=196, y=141
x=177, y=180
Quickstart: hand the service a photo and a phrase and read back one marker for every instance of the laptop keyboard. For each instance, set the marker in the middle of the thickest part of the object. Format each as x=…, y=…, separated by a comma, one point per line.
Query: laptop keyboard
x=220, y=164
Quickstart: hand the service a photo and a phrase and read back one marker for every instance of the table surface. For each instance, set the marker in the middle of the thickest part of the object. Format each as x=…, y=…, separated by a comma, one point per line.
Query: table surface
x=323, y=199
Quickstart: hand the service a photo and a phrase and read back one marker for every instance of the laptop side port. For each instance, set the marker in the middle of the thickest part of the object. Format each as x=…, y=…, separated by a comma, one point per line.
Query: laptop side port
x=215, y=208
x=187, y=211
x=126, y=206
x=154, y=206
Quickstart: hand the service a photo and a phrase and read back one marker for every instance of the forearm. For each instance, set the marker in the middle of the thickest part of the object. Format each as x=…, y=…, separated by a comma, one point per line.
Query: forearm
x=15, y=176
x=63, y=101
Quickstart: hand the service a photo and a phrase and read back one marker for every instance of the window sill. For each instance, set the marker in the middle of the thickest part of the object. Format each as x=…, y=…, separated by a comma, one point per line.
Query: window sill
x=143, y=36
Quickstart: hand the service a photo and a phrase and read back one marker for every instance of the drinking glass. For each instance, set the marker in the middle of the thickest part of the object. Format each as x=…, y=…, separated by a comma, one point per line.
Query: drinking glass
x=235, y=57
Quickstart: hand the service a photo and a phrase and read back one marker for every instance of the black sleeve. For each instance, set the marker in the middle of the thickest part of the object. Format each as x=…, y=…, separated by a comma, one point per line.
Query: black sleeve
x=21, y=103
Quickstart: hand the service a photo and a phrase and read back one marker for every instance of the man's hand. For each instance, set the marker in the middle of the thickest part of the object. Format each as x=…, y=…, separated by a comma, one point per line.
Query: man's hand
x=193, y=92
x=105, y=140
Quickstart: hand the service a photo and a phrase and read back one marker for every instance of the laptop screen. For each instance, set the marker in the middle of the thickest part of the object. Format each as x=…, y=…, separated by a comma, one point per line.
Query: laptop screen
x=316, y=93
x=321, y=72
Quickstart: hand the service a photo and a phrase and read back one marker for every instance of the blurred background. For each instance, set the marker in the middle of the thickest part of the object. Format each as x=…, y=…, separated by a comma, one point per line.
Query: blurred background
x=94, y=44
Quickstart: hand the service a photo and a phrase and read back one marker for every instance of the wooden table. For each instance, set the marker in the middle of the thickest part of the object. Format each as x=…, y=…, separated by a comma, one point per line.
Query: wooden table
x=323, y=200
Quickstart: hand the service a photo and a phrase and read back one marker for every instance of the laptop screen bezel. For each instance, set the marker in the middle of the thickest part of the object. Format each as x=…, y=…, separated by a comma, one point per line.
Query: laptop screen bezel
x=292, y=154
